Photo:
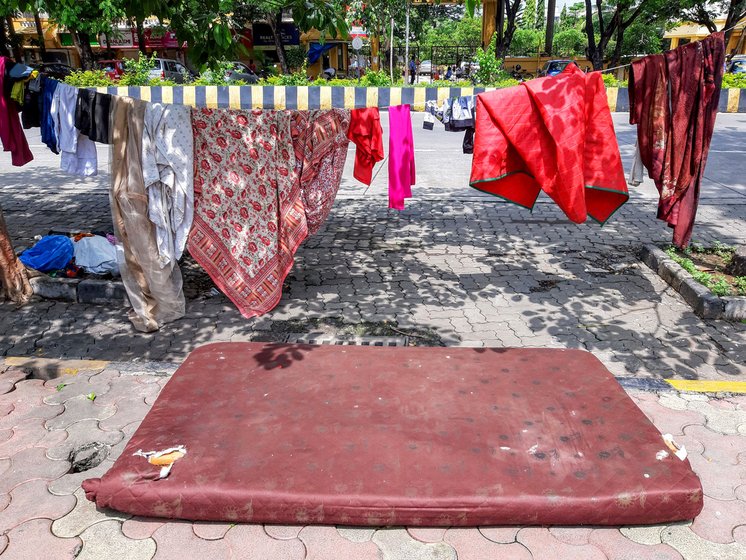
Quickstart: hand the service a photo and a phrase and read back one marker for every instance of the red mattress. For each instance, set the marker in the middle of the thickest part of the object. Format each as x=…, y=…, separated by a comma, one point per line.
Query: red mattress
x=399, y=436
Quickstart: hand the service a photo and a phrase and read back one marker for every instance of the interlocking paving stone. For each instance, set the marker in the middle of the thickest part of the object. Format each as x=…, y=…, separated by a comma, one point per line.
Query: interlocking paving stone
x=250, y=542
x=427, y=534
x=644, y=535
x=4, y=501
x=77, y=409
x=670, y=421
x=105, y=540
x=27, y=404
x=31, y=464
x=719, y=419
x=210, y=531
x=125, y=388
x=719, y=518
x=34, y=539
x=82, y=433
x=692, y=546
x=117, y=449
x=470, y=544
x=542, y=544
x=504, y=535
x=739, y=535
x=717, y=464
x=571, y=535
x=141, y=528
x=176, y=540
x=397, y=544
x=3, y=543
x=70, y=482
x=616, y=547
x=128, y=410
x=76, y=388
x=283, y=532
x=9, y=378
x=31, y=500
x=83, y=515
x=30, y=433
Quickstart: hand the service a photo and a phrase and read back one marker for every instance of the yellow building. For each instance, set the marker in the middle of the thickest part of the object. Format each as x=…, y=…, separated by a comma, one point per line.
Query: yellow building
x=687, y=32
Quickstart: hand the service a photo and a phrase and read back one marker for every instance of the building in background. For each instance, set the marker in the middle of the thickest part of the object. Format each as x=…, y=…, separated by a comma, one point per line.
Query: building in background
x=687, y=32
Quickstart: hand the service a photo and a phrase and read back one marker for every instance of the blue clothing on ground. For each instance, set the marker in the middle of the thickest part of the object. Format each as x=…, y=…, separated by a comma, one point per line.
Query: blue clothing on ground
x=52, y=252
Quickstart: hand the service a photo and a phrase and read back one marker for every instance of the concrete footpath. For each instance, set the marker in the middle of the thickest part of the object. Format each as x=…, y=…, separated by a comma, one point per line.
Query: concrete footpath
x=56, y=433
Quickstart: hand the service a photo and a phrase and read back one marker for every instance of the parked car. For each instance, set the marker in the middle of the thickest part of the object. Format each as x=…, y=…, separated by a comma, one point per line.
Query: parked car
x=241, y=72
x=426, y=67
x=737, y=64
x=55, y=70
x=114, y=68
x=554, y=67
x=170, y=69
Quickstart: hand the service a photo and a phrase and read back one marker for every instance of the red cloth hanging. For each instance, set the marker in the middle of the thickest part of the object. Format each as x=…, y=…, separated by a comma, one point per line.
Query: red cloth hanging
x=11, y=133
x=674, y=98
x=553, y=134
x=365, y=132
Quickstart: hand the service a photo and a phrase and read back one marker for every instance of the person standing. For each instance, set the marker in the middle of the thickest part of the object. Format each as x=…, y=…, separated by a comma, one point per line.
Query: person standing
x=412, y=70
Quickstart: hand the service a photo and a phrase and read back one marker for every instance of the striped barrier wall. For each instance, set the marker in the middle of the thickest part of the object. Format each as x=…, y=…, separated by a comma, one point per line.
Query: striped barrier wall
x=303, y=98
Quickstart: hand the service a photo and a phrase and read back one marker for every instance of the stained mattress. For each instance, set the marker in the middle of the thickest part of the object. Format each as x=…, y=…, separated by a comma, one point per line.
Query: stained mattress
x=399, y=436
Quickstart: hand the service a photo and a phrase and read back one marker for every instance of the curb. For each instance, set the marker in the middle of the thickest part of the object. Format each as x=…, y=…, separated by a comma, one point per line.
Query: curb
x=75, y=290
x=304, y=98
x=705, y=304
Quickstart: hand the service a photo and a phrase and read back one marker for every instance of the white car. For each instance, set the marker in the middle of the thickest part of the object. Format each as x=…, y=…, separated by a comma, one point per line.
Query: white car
x=169, y=69
x=426, y=67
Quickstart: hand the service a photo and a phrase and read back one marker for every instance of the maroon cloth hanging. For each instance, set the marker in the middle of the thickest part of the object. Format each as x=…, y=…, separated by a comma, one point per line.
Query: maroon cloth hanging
x=11, y=133
x=673, y=99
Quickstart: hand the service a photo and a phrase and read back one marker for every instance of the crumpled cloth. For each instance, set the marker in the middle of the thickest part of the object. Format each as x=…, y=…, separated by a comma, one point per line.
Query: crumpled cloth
x=674, y=98
x=320, y=143
x=248, y=209
x=366, y=133
x=168, y=172
x=96, y=255
x=154, y=291
x=11, y=133
x=555, y=135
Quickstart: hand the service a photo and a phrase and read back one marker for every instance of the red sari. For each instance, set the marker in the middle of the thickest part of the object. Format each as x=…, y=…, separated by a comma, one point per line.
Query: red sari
x=674, y=98
x=554, y=135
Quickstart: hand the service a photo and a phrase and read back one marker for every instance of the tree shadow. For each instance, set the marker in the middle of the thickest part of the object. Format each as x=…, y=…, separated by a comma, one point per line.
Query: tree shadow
x=472, y=272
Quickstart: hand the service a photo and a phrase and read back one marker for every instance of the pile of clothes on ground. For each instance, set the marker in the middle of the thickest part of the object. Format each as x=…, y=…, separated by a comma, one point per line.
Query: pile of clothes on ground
x=74, y=256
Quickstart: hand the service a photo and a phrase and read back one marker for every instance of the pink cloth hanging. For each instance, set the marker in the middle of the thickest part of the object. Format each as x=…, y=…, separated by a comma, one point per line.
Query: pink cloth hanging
x=401, y=156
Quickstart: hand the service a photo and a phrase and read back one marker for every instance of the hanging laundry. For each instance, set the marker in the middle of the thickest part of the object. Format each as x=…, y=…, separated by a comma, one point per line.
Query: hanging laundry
x=320, y=143
x=366, y=133
x=77, y=152
x=401, y=156
x=48, y=132
x=248, y=208
x=32, y=103
x=468, y=143
x=168, y=171
x=461, y=114
x=674, y=98
x=155, y=291
x=92, y=115
x=553, y=134
x=11, y=133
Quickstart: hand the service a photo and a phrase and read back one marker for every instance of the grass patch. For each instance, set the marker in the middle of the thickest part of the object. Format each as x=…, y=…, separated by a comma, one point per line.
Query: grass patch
x=707, y=266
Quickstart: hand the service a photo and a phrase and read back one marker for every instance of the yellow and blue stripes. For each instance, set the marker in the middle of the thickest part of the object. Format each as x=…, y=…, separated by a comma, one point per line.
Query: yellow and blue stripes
x=326, y=97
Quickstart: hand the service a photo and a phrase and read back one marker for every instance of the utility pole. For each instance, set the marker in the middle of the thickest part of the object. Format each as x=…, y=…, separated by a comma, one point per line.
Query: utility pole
x=406, y=48
x=549, y=37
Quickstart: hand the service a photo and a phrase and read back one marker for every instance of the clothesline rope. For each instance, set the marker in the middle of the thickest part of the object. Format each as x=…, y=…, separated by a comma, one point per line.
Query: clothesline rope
x=630, y=64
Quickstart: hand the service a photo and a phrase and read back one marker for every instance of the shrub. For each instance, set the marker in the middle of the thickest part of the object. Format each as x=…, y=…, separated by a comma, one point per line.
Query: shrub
x=378, y=78
x=734, y=81
x=296, y=57
x=88, y=78
x=490, y=68
x=137, y=72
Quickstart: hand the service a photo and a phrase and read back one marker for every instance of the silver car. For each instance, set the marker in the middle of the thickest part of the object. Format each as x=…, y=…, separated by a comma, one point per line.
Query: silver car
x=170, y=69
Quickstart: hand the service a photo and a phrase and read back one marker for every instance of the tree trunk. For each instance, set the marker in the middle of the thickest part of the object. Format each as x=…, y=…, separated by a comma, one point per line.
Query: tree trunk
x=15, y=41
x=40, y=34
x=3, y=39
x=140, y=37
x=13, y=278
x=83, y=43
x=616, y=58
x=595, y=51
x=275, y=23
x=549, y=36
